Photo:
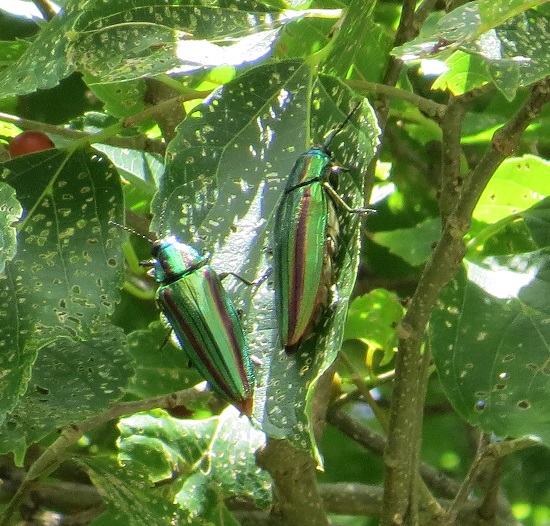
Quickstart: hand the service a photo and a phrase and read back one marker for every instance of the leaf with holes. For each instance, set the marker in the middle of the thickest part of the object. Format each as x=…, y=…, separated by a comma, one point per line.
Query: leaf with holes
x=137, y=41
x=44, y=62
x=128, y=494
x=10, y=211
x=225, y=172
x=202, y=455
x=58, y=291
x=512, y=50
x=517, y=184
x=495, y=12
x=71, y=380
x=490, y=334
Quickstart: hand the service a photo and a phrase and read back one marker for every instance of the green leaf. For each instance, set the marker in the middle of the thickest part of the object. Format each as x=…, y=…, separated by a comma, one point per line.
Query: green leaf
x=11, y=51
x=71, y=380
x=121, y=99
x=490, y=337
x=209, y=460
x=361, y=46
x=129, y=495
x=159, y=369
x=225, y=172
x=512, y=48
x=515, y=51
x=537, y=220
x=413, y=245
x=373, y=318
x=133, y=41
x=10, y=211
x=465, y=73
x=495, y=12
x=517, y=184
x=44, y=63
x=62, y=284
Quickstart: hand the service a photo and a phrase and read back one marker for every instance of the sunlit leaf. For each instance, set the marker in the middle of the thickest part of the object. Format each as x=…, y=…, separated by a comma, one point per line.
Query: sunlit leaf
x=225, y=171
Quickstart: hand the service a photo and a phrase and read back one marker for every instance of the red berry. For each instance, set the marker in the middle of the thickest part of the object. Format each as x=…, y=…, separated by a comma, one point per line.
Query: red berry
x=28, y=142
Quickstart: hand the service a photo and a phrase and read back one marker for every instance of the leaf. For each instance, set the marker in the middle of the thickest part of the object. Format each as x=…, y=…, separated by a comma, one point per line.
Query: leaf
x=512, y=49
x=137, y=41
x=71, y=380
x=201, y=456
x=159, y=369
x=10, y=211
x=490, y=338
x=225, y=172
x=62, y=284
x=130, y=497
x=361, y=46
x=414, y=245
x=495, y=12
x=121, y=99
x=515, y=51
x=10, y=51
x=373, y=319
x=517, y=184
x=465, y=73
x=44, y=63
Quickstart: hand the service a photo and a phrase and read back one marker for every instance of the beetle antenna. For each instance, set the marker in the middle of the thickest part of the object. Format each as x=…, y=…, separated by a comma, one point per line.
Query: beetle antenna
x=337, y=130
x=131, y=230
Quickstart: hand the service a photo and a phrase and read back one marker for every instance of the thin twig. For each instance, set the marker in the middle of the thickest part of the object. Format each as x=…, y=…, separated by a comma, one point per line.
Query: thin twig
x=429, y=107
x=468, y=483
x=489, y=506
x=420, y=493
x=451, y=178
x=46, y=9
x=364, y=389
x=376, y=443
x=139, y=142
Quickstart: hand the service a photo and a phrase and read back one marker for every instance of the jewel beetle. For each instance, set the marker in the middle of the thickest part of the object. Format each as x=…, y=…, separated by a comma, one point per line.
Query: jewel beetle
x=204, y=319
x=305, y=240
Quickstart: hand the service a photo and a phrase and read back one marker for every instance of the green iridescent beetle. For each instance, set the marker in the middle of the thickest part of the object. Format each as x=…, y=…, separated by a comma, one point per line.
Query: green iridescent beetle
x=206, y=323
x=306, y=235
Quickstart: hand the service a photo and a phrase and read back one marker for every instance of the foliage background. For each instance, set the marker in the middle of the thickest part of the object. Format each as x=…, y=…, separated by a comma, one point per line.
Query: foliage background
x=196, y=111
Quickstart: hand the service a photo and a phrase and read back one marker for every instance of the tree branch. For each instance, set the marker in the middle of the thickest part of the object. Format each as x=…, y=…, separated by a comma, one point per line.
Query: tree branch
x=443, y=265
x=297, y=499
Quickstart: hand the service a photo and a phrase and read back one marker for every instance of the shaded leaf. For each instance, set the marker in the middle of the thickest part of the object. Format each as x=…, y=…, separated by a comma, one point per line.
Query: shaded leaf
x=129, y=495
x=71, y=380
x=414, y=245
x=159, y=369
x=490, y=338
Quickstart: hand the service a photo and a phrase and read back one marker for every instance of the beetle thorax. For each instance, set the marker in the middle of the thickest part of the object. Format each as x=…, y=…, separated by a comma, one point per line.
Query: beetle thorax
x=173, y=259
